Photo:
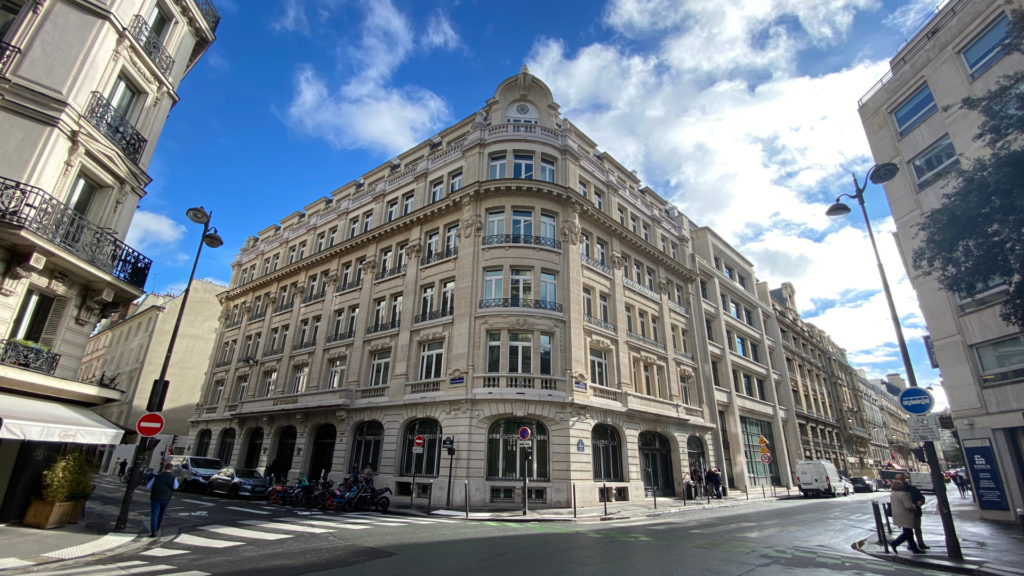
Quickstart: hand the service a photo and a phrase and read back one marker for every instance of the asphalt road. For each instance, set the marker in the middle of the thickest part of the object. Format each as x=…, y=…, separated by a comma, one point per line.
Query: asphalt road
x=219, y=537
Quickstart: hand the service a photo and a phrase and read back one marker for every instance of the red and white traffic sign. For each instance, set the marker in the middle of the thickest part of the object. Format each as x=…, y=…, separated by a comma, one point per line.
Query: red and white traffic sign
x=150, y=424
x=418, y=441
x=766, y=458
x=524, y=433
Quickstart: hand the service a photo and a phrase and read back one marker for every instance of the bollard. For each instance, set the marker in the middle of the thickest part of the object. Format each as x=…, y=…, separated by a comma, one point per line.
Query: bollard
x=747, y=491
x=573, y=499
x=604, y=496
x=888, y=513
x=430, y=497
x=655, y=497
x=879, y=528
x=412, y=489
x=763, y=493
x=467, y=499
x=1020, y=516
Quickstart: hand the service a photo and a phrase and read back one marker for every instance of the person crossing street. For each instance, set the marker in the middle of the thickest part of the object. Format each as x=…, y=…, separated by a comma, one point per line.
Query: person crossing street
x=162, y=487
x=918, y=499
x=904, y=514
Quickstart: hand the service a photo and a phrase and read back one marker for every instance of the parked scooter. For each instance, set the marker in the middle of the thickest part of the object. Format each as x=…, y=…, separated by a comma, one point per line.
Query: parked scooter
x=297, y=495
x=366, y=497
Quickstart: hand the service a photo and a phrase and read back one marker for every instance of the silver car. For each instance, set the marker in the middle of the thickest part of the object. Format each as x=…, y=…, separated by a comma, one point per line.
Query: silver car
x=238, y=482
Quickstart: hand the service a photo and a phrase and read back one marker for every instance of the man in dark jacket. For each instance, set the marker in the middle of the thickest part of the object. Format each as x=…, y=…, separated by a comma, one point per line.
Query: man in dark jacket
x=918, y=499
x=123, y=467
x=161, y=487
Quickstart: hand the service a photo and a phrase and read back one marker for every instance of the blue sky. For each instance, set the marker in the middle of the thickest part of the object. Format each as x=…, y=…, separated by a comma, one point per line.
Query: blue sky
x=742, y=112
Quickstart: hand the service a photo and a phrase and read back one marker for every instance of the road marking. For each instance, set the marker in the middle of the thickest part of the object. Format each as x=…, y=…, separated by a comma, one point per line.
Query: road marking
x=387, y=519
x=103, y=544
x=200, y=502
x=88, y=568
x=327, y=524
x=246, y=510
x=726, y=527
x=761, y=533
x=162, y=552
x=189, y=573
x=243, y=533
x=280, y=526
x=189, y=540
x=6, y=563
x=138, y=570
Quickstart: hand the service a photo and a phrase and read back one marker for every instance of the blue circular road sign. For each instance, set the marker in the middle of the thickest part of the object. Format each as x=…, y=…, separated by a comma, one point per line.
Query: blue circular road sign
x=917, y=401
x=524, y=433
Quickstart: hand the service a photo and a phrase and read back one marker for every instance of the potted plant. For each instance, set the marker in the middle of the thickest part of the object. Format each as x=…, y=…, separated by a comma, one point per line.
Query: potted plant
x=61, y=481
x=82, y=479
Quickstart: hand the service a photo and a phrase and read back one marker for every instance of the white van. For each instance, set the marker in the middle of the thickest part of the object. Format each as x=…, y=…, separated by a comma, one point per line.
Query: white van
x=923, y=481
x=819, y=478
x=193, y=472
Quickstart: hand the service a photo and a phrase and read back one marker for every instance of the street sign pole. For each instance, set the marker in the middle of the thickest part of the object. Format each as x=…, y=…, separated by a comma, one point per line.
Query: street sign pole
x=451, y=461
x=526, y=507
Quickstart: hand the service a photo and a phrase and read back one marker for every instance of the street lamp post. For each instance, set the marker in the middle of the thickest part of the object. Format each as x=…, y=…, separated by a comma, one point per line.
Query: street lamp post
x=880, y=174
x=213, y=240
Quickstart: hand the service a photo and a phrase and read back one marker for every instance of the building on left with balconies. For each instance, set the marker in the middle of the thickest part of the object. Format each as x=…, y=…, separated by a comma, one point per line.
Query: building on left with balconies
x=85, y=89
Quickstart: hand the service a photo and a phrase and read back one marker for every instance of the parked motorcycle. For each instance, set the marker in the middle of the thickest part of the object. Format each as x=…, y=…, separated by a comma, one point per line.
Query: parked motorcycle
x=297, y=495
x=366, y=497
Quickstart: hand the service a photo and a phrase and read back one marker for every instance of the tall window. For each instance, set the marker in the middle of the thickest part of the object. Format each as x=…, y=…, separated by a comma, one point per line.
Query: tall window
x=448, y=296
x=522, y=222
x=332, y=236
x=336, y=373
x=522, y=166
x=504, y=457
x=496, y=223
x=380, y=368
x=431, y=359
x=585, y=244
x=353, y=315
x=603, y=301
x=622, y=217
x=598, y=367
x=600, y=252
x=407, y=203
x=497, y=167
x=598, y=201
x=547, y=226
x=583, y=190
x=684, y=389
x=367, y=221
x=521, y=284
x=451, y=237
x=547, y=170
x=432, y=243
x=437, y=191
x=988, y=48
x=494, y=352
x=520, y=358
x=493, y=284
x=427, y=300
x=122, y=96
x=424, y=463
x=545, y=355
x=456, y=182
x=547, y=288
x=366, y=441
x=353, y=228
x=915, y=110
x=392, y=211
x=607, y=449
x=242, y=384
x=588, y=302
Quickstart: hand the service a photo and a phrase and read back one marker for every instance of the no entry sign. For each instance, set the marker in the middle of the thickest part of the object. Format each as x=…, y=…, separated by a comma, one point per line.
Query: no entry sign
x=417, y=445
x=419, y=440
x=150, y=424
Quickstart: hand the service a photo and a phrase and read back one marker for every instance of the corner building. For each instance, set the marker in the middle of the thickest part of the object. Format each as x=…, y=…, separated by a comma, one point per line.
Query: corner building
x=503, y=274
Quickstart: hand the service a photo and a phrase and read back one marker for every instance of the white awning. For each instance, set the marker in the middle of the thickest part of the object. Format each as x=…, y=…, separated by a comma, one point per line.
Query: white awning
x=23, y=418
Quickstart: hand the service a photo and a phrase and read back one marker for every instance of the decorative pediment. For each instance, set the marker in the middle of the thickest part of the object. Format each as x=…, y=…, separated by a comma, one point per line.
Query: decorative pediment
x=424, y=336
x=616, y=261
x=601, y=344
x=338, y=353
x=382, y=345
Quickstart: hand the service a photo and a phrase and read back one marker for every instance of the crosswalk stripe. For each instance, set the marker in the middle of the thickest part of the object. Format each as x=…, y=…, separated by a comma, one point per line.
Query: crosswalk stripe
x=388, y=519
x=6, y=563
x=334, y=525
x=88, y=568
x=190, y=540
x=243, y=533
x=250, y=510
x=189, y=573
x=137, y=570
x=105, y=543
x=280, y=526
x=200, y=502
x=162, y=552
x=726, y=527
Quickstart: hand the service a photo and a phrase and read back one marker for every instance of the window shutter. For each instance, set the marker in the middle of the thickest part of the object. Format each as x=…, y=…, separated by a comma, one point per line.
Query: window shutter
x=60, y=305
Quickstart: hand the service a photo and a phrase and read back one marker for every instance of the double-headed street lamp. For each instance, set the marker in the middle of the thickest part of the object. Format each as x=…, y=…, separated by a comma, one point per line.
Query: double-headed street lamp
x=880, y=174
x=159, y=390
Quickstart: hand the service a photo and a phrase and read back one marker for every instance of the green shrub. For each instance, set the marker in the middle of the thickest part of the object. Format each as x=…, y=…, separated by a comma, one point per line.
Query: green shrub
x=69, y=478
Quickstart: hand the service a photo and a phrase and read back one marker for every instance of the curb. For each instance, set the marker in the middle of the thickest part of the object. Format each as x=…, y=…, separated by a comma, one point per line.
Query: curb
x=950, y=566
x=34, y=562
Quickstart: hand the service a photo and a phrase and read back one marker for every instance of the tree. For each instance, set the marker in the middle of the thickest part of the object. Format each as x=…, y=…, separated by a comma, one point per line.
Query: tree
x=976, y=238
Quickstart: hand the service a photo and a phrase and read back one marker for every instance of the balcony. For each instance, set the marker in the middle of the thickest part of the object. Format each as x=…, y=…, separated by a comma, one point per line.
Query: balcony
x=596, y=264
x=273, y=351
x=433, y=315
x=383, y=327
x=641, y=288
x=311, y=343
x=598, y=322
x=499, y=239
x=520, y=381
x=339, y=336
x=681, y=309
x=258, y=315
x=7, y=55
x=102, y=114
x=233, y=324
x=35, y=358
x=36, y=210
x=345, y=287
x=372, y=392
x=438, y=256
x=284, y=306
x=316, y=297
x=151, y=44
x=224, y=363
x=423, y=387
x=210, y=14
x=684, y=355
x=520, y=303
x=385, y=274
x=646, y=341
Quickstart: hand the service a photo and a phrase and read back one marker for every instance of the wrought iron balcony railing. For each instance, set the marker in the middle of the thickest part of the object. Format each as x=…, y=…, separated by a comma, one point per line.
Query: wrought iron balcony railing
x=438, y=256
x=645, y=340
x=151, y=45
x=108, y=120
x=210, y=13
x=640, y=288
x=520, y=303
x=338, y=337
x=36, y=210
x=351, y=285
x=22, y=355
x=433, y=315
x=522, y=239
x=314, y=297
x=598, y=322
x=311, y=343
x=258, y=315
x=596, y=264
x=234, y=323
x=382, y=327
x=284, y=306
x=224, y=363
x=383, y=274
x=7, y=54
x=273, y=351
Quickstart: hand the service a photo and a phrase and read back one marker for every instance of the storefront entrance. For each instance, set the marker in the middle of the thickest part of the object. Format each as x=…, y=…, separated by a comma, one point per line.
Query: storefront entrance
x=656, y=464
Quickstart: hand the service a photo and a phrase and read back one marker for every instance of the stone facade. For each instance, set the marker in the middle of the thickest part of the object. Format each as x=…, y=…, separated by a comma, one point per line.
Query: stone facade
x=911, y=118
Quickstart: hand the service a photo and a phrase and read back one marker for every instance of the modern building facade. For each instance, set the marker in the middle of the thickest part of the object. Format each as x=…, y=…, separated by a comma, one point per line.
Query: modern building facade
x=85, y=88
x=911, y=118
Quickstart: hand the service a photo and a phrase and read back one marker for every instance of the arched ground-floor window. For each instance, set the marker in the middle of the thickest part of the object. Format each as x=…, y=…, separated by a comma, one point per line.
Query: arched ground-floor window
x=282, y=462
x=366, y=442
x=226, y=446
x=425, y=461
x=202, y=445
x=607, y=449
x=656, y=464
x=253, y=448
x=322, y=455
x=505, y=457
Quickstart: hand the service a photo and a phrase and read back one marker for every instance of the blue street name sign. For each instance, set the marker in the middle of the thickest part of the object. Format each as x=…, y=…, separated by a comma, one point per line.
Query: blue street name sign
x=917, y=401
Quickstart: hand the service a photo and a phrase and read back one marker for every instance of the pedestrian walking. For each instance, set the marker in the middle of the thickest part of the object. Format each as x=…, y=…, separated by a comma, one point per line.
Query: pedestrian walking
x=368, y=474
x=958, y=481
x=698, y=480
x=161, y=488
x=716, y=482
x=116, y=468
x=918, y=499
x=121, y=470
x=903, y=515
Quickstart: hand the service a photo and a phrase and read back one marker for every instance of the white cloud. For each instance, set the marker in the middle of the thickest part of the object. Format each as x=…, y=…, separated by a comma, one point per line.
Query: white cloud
x=152, y=230
x=367, y=111
x=913, y=14
x=293, y=19
x=440, y=34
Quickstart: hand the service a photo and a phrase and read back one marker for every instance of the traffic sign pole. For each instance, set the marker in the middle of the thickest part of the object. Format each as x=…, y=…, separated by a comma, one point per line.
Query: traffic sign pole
x=450, y=444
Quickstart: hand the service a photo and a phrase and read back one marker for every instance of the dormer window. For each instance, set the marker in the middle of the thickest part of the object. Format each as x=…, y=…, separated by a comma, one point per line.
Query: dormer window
x=521, y=113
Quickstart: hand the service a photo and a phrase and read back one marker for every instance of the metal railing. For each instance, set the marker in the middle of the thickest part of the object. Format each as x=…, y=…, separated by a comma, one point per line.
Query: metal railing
x=348, y=285
x=339, y=336
x=522, y=239
x=382, y=327
x=36, y=210
x=596, y=264
x=224, y=363
x=7, y=54
x=233, y=324
x=122, y=133
x=640, y=288
x=210, y=13
x=37, y=359
x=315, y=297
x=284, y=306
x=520, y=303
x=151, y=44
x=383, y=274
x=273, y=351
x=438, y=256
x=433, y=315
x=678, y=308
x=645, y=340
x=311, y=343
x=598, y=322
x=683, y=355
x=258, y=315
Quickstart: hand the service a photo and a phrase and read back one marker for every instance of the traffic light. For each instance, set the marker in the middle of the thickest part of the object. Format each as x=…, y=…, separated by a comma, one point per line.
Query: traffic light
x=528, y=453
x=157, y=395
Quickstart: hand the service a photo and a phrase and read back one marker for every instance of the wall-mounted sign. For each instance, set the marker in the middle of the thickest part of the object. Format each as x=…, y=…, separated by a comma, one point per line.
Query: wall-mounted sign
x=459, y=380
x=580, y=385
x=981, y=462
x=931, y=352
x=580, y=447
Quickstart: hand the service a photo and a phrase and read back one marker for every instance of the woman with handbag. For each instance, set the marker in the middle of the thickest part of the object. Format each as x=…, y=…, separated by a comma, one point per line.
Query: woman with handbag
x=903, y=510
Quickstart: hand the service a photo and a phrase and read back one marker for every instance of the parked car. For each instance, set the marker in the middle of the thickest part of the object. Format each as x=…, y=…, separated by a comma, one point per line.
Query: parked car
x=238, y=482
x=820, y=478
x=863, y=484
x=193, y=472
x=845, y=486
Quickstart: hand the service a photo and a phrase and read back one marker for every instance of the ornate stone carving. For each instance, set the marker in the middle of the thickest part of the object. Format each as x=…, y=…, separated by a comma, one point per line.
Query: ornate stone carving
x=571, y=233
x=225, y=313
x=648, y=359
x=601, y=344
x=525, y=80
x=664, y=286
x=616, y=261
x=14, y=275
x=91, y=304
x=467, y=201
x=304, y=361
x=455, y=372
x=370, y=266
x=382, y=345
x=57, y=281
x=429, y=336
x=332, y=278
x=470, y=225
x=414, y=250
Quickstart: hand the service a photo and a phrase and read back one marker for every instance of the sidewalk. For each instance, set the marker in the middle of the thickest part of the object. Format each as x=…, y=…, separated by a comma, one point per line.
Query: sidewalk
x=616, y=510
x=989, y=548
